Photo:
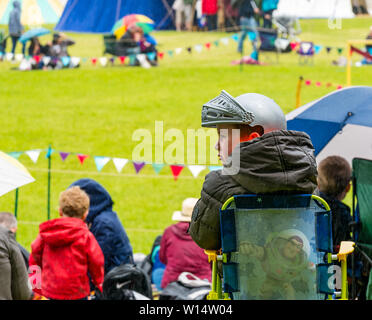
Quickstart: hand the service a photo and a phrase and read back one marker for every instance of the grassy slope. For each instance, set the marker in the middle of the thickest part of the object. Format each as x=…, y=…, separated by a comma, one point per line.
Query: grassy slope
x=95, y=110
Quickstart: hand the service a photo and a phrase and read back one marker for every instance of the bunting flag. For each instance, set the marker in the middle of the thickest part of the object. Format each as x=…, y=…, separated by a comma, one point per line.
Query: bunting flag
x=320, y=84
x=157, y=167
x=122, y=59
x=103, y=61
x=119, y=163
x=138, y=166
x=317, y=48
x=294, y=45
x=176, y=170
x=189, y=49
x=101, y=162
x=82, y=157
x=196, y=169
x=160, y=55
x=178, y=50
x=65, y=61
x=94, y=60
x=208, y=45
x=33, y=154
x=64, y=155
x=198, y=48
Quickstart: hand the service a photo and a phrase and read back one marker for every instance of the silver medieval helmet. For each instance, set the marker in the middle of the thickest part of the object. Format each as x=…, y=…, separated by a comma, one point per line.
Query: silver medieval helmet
x=249, y=108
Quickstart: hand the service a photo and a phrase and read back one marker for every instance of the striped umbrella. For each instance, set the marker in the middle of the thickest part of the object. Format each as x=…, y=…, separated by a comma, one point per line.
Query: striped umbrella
x=34, y=12
x=338, y=124
x=142, y=21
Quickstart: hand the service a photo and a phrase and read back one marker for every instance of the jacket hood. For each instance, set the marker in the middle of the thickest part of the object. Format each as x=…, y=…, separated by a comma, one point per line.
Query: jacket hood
x=62, y=231
x=180, y=230
x=277, y=161
x=100, y=199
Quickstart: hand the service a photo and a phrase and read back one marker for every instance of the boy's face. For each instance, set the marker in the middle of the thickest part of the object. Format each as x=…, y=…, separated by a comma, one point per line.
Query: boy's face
x=228, y=139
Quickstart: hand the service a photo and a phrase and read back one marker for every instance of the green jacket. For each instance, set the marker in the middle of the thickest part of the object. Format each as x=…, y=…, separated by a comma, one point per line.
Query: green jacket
x=13, y=272
x=279, y=161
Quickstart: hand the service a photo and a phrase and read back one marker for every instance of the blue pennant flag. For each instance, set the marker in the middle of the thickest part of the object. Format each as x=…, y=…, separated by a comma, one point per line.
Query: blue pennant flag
x=101, y=162
x=157, y=167
x=65, y=61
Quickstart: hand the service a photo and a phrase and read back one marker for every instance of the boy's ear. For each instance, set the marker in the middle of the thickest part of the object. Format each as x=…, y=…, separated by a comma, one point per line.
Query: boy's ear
x=85, y=214
x=60, y=212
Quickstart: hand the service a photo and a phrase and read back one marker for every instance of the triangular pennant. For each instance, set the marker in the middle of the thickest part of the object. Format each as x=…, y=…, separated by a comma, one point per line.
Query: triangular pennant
x=138, y=166
x=213, y=168
x=82, y=157
x=101, y=162
x=160, y=55
x=339, y=87
x=151, y=55
x=75, y=61
x=318, y=83
x=157, y=167
x=112, y=60
x=328, y=49
x=122, y=59
x=103, y=61
x=198, y=48
x=170, y=52
x=37, y=58
x=176, y=170
x=293, y=45
x=308, y=82
x=216, y=43
x=189, y=49
x=65, y=61
x=15, y=154
x=225, y=41
x=196, y=169
x=64, y=155
x=235, y=36
x=178, y=50
x=19, y=57
x=119, y=163
x=94, y=60
x=339, y=50
x=49, y=153
x=46, y=60
x=208, y=45
x=317, y=48
x=33, y=154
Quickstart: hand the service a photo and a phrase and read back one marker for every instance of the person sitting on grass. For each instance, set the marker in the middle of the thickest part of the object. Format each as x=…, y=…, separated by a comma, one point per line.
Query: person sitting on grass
x=66, y=251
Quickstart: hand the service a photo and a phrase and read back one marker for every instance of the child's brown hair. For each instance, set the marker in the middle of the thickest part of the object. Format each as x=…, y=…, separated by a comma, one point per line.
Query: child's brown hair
x=334, y=175
x=74, y=202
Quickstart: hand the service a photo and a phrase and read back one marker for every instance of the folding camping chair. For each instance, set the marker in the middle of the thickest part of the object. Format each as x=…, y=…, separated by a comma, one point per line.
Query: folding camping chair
x=362, y=219
x=306, y=52
x=277, y=247
x=270, y=42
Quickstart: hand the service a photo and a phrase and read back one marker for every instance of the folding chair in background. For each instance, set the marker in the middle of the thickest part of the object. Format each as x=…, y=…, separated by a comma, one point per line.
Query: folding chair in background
x=362, y=220
x=306, y=52
x=277, y=247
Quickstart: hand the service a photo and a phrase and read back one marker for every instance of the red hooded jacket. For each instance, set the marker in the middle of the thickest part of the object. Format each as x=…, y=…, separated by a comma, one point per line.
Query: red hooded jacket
x=66, y=251
x=180, y=253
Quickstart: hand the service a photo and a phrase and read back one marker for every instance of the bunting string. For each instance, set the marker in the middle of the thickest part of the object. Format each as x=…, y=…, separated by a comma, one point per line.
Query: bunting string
x=119, y=163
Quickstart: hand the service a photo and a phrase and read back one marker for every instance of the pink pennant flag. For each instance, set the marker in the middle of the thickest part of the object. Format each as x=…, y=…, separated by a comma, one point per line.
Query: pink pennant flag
x=176, y=170
x=293, y=45
x=161, y=55
x=318, y=84
x=94, y=61
x=339, y=87
x=64, y=155
x=138, y=166
x=308, y=82
x=82, y=157
x=208, y=45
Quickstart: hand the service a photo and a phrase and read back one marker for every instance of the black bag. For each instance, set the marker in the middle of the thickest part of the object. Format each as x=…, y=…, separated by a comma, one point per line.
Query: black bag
x=121, y=280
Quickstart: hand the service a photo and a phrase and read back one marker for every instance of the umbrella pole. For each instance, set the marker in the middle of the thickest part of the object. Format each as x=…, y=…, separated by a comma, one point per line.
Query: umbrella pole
x=49, y=178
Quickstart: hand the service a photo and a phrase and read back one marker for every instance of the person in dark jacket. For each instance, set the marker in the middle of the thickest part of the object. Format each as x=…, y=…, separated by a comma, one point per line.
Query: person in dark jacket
x=14, y=25
x=14, y=284
x=334, y=182
x=9, y=221
x=258, y=154
x=179, y=252
x=105, y=225
x=248, y=24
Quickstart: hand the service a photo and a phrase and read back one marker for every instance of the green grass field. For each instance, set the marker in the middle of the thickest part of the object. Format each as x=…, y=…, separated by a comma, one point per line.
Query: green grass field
x=94, y=110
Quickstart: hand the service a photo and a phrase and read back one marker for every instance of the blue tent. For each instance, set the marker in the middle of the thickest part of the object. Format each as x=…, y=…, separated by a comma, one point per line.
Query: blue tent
x=98, y=16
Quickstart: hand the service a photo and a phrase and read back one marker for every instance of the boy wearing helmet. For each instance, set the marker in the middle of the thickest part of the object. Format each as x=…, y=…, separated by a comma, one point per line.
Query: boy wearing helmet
x=270, y=159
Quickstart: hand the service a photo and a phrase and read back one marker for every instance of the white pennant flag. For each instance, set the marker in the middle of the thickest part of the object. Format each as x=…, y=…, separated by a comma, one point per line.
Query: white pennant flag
x=119, y=163
x=33, y=154
x=225, y=41
x=178, y=50
x=103, y=61
x=46, y=60
x=9, y=56
x=196, y=169
x=75, y=61
x=19, y=57
x=198, y=48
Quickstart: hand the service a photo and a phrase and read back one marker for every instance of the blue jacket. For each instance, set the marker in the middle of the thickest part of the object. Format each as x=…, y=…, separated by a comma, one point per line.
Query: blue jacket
x=105, y=225
x=268, y=5
x=15, y=26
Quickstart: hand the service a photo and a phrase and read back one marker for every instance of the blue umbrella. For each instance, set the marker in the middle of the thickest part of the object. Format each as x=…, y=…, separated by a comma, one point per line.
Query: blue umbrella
x=338, y=124
x=33, y=33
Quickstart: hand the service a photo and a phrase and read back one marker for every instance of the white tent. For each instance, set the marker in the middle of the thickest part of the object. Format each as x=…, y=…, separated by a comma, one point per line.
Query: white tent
x=326, y=9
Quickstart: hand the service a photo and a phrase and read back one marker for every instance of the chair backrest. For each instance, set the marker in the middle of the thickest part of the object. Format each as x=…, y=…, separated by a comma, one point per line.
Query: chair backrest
x=276, y=247
x=362, y=189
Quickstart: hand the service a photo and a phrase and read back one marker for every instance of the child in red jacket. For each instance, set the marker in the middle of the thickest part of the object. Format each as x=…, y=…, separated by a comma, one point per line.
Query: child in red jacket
x=65, y=251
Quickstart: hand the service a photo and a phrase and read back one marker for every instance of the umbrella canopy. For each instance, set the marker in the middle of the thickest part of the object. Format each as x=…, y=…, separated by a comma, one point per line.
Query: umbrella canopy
x=142, y=21
x=12, y=174
x=339, y=123
x=37, y=32
x=34, y=12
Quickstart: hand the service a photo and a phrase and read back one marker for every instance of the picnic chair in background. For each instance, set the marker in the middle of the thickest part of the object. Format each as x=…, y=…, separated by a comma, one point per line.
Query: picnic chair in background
x=306, y=52
x=277, y=247
x=362, y=222
x=270, y=42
